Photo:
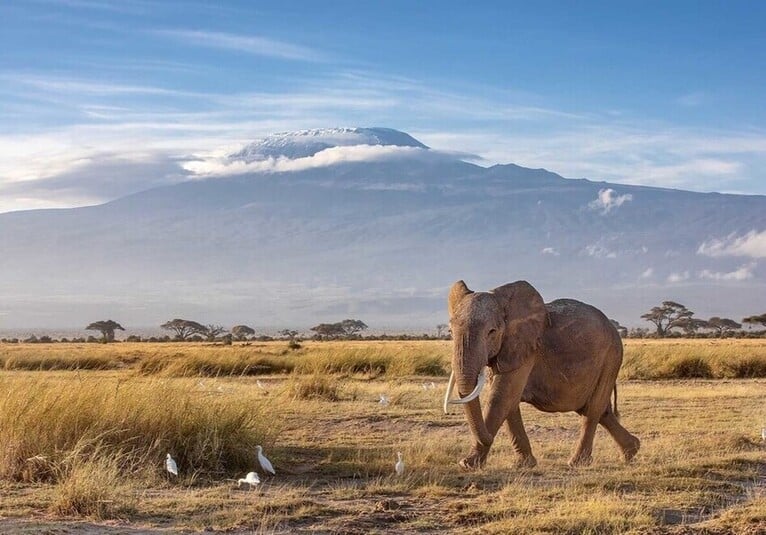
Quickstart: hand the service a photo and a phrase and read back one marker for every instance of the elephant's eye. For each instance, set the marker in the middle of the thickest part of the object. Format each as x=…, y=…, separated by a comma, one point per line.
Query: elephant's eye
x=492, y=331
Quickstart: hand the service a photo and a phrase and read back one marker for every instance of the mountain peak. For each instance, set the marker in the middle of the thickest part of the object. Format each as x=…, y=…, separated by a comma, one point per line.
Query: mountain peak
x=304, y=143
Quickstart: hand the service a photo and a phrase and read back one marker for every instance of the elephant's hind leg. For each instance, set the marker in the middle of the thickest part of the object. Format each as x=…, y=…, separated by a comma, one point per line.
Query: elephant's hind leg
x=520, y=440
x=629, y=444
x=583, y=454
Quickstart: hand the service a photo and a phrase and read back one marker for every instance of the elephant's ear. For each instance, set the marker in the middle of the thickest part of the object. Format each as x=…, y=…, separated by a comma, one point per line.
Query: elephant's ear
x=456, y=294
x=525, y=318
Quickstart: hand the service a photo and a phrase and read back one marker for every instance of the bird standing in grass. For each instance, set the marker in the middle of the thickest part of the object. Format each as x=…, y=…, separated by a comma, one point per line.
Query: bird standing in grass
x=399, y=466
x=170, y=465
x=763, y=434
x=383, y=400
x=264, y=462
x=251, y=479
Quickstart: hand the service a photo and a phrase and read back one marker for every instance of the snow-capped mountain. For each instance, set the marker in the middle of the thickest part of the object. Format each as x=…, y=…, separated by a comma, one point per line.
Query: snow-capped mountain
x=340, y=231
x=304, y=143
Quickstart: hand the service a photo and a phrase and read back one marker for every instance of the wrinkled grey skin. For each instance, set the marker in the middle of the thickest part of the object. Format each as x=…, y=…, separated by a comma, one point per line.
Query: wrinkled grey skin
x=562, y=356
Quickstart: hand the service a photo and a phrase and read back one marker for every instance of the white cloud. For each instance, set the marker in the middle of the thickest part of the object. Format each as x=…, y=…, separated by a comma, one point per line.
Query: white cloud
x=648, y=272
x=599, y=251
x=550, y=251
x=678, y=277
x=752, y=244
x=249, y=44
x=744, y=272
x=325, y=158
x=607, y=200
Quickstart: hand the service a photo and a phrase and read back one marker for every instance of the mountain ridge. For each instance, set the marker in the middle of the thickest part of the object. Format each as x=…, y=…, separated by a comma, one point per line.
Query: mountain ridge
x=382, y=240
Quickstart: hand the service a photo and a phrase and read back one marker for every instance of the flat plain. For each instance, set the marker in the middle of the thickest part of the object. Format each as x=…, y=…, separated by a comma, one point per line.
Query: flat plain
x=85, y=428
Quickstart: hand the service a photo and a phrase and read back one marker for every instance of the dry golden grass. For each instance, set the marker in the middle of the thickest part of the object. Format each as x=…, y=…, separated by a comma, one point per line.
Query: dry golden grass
x=644, y=359
x=702, y=466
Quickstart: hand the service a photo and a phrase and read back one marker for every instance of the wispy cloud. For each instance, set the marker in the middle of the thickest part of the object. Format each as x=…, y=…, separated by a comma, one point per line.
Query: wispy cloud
x=248, y=44
x=744, y=272
x=608, y=200
x=331, y=156
x=678, y=276
x=752, y=244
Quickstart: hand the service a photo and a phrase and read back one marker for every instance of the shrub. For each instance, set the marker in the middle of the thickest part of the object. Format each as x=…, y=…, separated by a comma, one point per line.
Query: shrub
x=690, y=368
x=747, y=368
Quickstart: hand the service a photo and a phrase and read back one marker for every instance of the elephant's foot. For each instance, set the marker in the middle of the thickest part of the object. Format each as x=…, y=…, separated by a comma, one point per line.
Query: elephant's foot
x=526, y=461
x=476, y=458
x=631, y=449
x=580, y=459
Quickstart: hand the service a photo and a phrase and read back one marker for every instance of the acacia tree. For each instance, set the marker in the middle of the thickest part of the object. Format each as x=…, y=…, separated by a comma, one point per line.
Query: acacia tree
x=213, y=331
x=241, y=331
x=184, y=328
x=328, y=330
x=691, y=325
x=289, y=334
x=345, y=328
x=756, y=320
x=106, y=327
x=723, y=325
x=351, y=327
x=440, y=329
x=621, y=330
x=667, y=316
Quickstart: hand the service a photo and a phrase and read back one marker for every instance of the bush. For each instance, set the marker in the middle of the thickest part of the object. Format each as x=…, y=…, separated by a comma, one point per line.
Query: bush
x=747, y=368
x=690, y=368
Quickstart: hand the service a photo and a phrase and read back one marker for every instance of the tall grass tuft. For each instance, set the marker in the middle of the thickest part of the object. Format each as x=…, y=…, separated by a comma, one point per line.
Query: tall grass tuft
x=215, y=364
x=91, y=483
x=137, y=422
x=317, y=386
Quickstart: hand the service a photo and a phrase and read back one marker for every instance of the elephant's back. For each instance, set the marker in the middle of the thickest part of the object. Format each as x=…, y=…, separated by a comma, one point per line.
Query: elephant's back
x=578, y=345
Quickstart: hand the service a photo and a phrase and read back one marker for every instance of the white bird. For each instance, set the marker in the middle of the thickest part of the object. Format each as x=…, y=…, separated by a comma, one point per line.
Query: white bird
x=265, y=463
x=251, y=479
x=399, y=466
x=383, y=400
x=260, y=384
x=170, y=465
x=763, y=434
x=432, y=385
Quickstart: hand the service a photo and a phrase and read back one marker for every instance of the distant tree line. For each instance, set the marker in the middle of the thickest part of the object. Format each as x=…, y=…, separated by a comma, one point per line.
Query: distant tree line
x=669, y=320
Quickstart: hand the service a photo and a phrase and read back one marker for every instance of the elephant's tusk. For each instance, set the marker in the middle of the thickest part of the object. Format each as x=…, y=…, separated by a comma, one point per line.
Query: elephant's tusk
x=476, y=391
x=448, y=393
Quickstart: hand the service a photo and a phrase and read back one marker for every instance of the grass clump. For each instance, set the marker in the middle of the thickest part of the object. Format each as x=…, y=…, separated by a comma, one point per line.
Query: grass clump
x=317, y=386
x=215, y=364
x=137, y=422
x=90, y=484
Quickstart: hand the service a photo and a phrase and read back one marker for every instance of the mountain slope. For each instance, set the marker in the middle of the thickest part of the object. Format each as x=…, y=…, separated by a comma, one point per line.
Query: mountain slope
x=381, y=240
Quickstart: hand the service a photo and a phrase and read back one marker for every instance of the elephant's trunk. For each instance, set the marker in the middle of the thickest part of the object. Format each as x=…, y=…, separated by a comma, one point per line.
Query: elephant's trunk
x=470, y=377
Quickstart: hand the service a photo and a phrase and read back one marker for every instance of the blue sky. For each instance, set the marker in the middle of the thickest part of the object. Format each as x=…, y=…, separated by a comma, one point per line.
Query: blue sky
x=99, y=98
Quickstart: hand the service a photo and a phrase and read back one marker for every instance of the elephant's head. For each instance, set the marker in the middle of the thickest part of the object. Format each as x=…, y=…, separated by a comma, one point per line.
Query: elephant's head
x=501, y=329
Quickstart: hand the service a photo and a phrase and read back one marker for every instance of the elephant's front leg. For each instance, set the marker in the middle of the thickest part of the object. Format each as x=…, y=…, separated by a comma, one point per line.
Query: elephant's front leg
x=520, y=440
x=504, y=395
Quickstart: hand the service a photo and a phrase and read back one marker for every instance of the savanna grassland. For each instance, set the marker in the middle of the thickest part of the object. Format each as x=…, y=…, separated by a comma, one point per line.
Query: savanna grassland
x=84, y=430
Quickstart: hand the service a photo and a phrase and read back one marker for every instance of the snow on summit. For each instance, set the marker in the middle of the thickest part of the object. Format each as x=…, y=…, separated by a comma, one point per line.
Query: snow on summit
x=305, y=143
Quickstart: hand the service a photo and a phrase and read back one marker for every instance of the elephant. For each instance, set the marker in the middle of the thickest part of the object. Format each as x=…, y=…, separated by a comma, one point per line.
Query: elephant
x=559, y=357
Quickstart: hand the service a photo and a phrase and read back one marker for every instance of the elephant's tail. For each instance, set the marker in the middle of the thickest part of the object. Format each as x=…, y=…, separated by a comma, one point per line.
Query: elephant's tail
x=616, y=412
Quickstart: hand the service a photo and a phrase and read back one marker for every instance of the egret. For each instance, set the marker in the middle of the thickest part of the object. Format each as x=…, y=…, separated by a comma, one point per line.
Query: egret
x=260, y=384
x=265, y=463
x=399, y=466
x=251, y=479
x=171, y=466
x=432, y=385
x=763, y=434
x=383, y=400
